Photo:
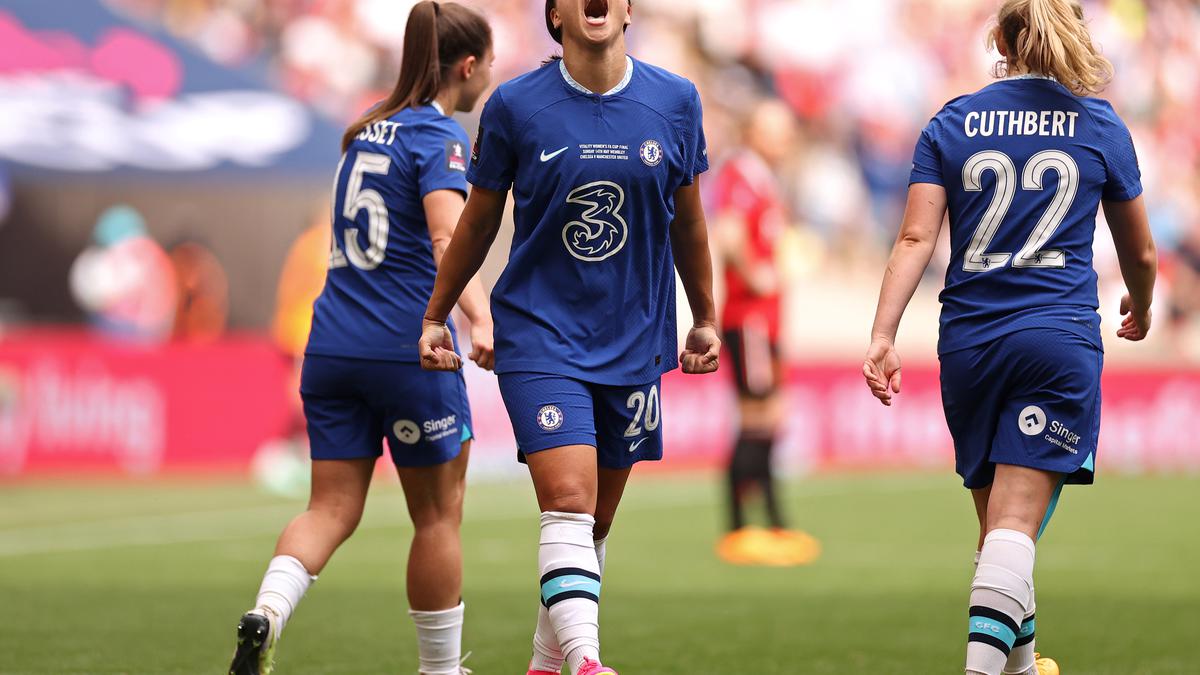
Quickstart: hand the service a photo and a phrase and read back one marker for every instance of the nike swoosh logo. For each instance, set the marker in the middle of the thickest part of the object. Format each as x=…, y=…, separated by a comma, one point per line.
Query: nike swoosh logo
x=568, y=584
x=634, y=445
x=547, y=158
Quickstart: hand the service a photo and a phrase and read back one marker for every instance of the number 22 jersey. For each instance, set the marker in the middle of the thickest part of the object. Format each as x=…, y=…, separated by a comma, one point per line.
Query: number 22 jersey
x=589, y=289
x=1025, y=164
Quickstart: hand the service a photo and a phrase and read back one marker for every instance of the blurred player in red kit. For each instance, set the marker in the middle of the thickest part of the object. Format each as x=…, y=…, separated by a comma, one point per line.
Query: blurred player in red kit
x=750, y=217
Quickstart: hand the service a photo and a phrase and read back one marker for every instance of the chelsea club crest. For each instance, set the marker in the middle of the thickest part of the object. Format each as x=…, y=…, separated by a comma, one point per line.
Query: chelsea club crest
x=651, y=153
x=550, y=417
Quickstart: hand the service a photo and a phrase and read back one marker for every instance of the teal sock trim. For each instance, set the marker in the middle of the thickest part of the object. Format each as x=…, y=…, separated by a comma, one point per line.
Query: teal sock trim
x=982, y=625
x=1051, y=507
x=569, y=583
x=1027, y=628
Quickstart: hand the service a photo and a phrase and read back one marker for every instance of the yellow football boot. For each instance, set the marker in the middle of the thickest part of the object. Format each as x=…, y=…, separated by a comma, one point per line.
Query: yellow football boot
x=1045, y=666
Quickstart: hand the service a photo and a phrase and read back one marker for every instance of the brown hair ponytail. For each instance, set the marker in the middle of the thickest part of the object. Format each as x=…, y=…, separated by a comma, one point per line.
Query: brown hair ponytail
x=1049, y=37
x=436, y=37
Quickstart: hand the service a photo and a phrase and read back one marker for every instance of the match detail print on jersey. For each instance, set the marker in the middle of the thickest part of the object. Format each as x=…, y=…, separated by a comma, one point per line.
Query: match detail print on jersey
x=602, y=231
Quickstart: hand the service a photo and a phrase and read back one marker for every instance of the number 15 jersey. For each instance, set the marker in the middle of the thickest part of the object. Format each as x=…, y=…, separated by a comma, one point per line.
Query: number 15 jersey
x=1025, y=164
x=589, y=290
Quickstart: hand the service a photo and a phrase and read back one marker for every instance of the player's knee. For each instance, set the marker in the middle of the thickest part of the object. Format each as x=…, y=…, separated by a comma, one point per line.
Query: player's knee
x=343, y=515
x=568, y=498
x=1018, y=521
x=438, y=514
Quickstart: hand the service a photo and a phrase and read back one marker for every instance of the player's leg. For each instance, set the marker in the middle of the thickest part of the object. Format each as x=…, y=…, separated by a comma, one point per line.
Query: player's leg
x=435, y=501
x=547, y=655
x=1023, y=656
x=740, y=468
x=339, y=489
x=427, y=422
x=1002, y=590
x=1046, y=435
x=344, y=445
x=566, y=483
x=554, y=424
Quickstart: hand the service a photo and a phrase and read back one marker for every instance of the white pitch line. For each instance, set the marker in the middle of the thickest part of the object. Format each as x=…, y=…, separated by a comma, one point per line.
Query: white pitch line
x=244, y=523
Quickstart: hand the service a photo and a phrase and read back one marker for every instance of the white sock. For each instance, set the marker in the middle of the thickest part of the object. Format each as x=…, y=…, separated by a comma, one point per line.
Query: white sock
x=547, y=655
x=1021, y=660
x=282, y=587
x=601, y=551
x=571, y=584
x=439, y=640
x=1001, y=597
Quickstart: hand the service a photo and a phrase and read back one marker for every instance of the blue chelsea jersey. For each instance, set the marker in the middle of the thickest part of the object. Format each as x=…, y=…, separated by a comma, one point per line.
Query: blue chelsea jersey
x=1025, y=164
x=381, y=268
x=589, y=290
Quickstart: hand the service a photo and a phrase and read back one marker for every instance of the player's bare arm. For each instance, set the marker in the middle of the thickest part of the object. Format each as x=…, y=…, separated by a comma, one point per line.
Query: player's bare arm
x=477, y=228
x=689, y=241
x=1139, y=263
x=910, y=256
x=443, y=208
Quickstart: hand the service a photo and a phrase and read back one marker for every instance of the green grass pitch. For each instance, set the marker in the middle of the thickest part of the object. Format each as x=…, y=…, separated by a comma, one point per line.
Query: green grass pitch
x=151, y=578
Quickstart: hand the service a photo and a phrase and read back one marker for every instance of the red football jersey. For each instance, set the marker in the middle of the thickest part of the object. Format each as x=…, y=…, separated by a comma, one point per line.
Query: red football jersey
x=746, y=187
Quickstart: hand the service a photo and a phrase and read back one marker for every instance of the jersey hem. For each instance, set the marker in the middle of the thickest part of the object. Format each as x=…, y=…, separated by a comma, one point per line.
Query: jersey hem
x=590, y=377
x=372, y=356
x=1092, y=336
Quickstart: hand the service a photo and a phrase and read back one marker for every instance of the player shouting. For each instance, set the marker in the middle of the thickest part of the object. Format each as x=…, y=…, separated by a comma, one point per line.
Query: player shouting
x=601, y=153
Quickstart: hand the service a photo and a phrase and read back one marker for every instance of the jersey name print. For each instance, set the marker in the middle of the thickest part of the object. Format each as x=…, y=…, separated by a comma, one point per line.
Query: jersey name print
x=589, y=291
x=1025, y=164
x=381, y=263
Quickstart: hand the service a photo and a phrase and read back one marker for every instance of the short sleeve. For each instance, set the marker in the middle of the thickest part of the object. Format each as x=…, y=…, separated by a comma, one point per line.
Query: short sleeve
x=927, y=163
x=695, y=146
x=1124, y=179
x=493, y=159
x=441, y=158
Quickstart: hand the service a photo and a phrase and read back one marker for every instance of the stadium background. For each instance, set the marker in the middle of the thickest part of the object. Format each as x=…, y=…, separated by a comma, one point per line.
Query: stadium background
x=211, y=126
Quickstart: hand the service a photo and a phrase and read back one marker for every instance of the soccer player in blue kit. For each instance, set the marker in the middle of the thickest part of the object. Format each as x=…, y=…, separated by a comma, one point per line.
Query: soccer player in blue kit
x=399, y=190
x=601, y=153
x=1022, y=166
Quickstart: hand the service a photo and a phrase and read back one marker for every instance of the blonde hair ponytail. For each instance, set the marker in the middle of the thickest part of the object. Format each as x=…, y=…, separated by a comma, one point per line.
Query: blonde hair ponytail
x=1049, y=37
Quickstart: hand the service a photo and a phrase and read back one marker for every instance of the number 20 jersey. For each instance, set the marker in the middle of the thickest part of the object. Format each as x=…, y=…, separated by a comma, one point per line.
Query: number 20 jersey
x=589, y=290
x=1025, y=164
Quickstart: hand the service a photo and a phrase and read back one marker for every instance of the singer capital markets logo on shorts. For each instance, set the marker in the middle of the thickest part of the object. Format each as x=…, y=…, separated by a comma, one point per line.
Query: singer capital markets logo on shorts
x=1033, y=421
x=407, y=432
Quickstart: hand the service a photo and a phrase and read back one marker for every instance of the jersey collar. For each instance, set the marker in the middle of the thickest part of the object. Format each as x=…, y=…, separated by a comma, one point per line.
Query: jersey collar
x=562, y=68
x=438, y=107
x=1030, y=76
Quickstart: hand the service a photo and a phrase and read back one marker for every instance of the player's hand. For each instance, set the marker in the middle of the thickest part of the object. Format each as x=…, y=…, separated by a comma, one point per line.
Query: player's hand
x=882, y=370
x=483, y=348
x=701, y=350
x=1137, y=321
x=437, y=347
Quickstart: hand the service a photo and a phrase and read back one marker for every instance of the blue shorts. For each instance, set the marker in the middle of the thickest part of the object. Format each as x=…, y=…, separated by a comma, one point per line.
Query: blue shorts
x=1030, y=398
x=352, y=405
x=623, y=423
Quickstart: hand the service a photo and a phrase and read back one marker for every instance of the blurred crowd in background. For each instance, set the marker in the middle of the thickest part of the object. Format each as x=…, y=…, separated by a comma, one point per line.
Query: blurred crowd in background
x=862, y=77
